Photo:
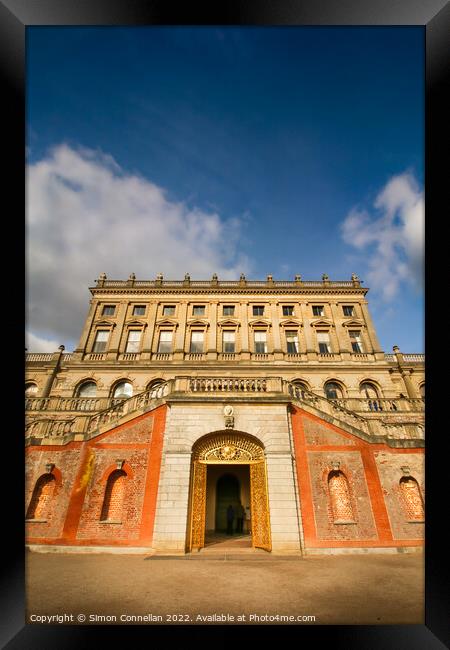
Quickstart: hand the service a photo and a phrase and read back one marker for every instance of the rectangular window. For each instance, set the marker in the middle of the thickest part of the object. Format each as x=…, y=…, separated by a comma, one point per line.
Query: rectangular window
x=288, y=310
x=108, y=310
x=134, y=337
x=228, y=310
x=260, y=342
x=101, y=340
x=258, y=310
x=323, y=339
x=228, y=341
x=292, y=342
x=197, y=337
x=139, y=310
x=318, y=310
x=165, y=341
x=348, y=310
x=355, y=338
x=168, y=310
x=198, y=310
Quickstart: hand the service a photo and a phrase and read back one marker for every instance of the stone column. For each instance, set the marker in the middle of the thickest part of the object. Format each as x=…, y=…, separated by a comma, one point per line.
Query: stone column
x=149, y=331
x=114, y=344
x=212, y=333
x=405, y=373
x=181, y=331
x=245, y=350
x=81, y=349
x=371, y=334
x=341, y=333
x=284, y=520
x=171, y=517
x=277, y=350
x=56, y=357
x=310, y=346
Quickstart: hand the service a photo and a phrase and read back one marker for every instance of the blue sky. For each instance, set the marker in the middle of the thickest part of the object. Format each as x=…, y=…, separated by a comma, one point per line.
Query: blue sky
x=224, y=149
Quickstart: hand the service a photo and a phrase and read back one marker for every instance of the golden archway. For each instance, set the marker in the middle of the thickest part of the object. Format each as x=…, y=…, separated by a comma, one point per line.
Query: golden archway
x=229, y=447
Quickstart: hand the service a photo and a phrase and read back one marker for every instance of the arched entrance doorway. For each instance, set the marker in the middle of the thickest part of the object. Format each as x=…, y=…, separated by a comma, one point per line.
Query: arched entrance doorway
x=237, y=469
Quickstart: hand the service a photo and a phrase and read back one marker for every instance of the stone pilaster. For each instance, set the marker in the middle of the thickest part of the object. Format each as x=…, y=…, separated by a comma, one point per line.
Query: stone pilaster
x=371, y=334
x=114, y=343
x=245, y=350
x=341, y=333
x=310, y=345
x=276, y=338
x=212, y=333
x=149, y=331
x=181, y=331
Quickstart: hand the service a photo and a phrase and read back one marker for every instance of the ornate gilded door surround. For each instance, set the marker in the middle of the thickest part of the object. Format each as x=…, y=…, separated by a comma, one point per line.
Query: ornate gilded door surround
x=234, y=448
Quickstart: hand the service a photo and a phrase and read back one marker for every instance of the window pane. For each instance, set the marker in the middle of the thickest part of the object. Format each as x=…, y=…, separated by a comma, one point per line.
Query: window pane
x=108, y=310
x=165, y=341
x=124, y=389
x=355, y=338
x=228, y=310
x=134, y=337
x=197, y=341
x=323, y=340
x=260, y=342
x=258, y=310
x=88, y=389
x=169, y=310
x=228, y=341
x=30, y=389
x=198, y=310
x=318, y=310
x=292, y=342
x=101, y=339
x=348, y=310
x=139, y=310
x=288, y=310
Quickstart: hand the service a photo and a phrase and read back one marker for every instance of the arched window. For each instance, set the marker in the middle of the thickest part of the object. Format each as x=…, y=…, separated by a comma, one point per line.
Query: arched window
x=422, y=391
x=412, y=499
x=114, y=495
x=333, y=390
x=339, y=491
x=123, y=390
x=41, y=499
x=157, y=387
x=87, y=389
x=298, y=387
x=368, y=390
x=30, y=389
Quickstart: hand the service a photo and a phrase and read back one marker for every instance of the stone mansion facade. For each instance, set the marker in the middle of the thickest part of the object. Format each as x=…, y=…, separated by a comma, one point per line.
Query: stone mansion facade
x=184, y=397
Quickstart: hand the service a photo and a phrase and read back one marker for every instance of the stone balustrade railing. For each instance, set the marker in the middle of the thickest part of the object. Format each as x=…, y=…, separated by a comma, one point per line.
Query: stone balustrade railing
x=127, y=406
x=49, y=428
x=372, y=427
x=192, y=284
x=228, y=385
x=90, y=404
x=382, y=405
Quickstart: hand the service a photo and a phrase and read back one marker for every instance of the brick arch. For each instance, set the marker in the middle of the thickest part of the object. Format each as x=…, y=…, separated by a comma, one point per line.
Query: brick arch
x=340, y=497
x=211, y=443
x=114, y=496
x=113, y=467
x=43, y=494
x=412, y=498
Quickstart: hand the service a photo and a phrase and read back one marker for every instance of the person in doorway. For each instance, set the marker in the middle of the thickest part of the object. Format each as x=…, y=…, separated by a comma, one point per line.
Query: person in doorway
x=230, y=519
x=240, y=514
x=248, y=522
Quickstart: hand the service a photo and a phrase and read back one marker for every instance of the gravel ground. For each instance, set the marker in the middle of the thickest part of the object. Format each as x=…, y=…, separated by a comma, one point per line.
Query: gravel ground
x=342, y=589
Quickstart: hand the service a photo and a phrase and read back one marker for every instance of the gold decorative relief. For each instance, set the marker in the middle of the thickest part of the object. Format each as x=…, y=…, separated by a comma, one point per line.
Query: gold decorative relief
x=259, y=506
x=198, y=505
x=228, y=447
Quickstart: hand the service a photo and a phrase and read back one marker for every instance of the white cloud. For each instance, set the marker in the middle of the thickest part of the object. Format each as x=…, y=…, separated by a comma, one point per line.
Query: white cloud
x=40, y=344
x=391, y=238
x=86, y=215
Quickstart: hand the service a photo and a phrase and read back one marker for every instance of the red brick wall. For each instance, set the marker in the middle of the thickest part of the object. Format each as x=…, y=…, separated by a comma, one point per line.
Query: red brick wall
x=85, y=468
x=373, y=472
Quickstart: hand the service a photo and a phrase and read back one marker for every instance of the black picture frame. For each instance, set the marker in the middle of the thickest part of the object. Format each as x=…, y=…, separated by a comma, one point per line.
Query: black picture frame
x=15, y=16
